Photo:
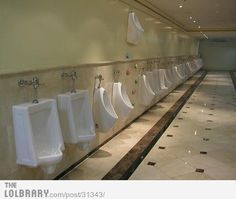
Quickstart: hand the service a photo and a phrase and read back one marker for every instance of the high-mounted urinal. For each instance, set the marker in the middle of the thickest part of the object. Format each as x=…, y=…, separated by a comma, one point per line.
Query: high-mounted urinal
x=121, y=101
x=38, y=135
x=145, y=93
x=152, y=81
x=134, y=30
x=76, y=117
x=104, y=113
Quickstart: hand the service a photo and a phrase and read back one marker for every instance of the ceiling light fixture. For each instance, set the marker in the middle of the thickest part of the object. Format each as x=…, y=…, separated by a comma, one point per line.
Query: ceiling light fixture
x=194, y=21
x=167, y=27
x=157, y=22
x=180, y=6
x=190, y=17
x=199, y=26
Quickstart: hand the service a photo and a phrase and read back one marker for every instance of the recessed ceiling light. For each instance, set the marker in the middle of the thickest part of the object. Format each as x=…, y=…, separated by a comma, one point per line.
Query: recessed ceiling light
x=157, y=22
x=168, y=27
x=190, y=17
x=194, y=21
x=180, y=6
x=199, y=26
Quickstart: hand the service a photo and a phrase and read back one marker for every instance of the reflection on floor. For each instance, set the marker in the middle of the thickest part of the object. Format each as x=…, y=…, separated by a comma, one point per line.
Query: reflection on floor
x=199, y=144
x=201, y=141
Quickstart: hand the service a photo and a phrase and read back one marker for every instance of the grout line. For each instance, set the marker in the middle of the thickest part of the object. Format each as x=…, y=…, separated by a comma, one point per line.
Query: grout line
x=127, y=165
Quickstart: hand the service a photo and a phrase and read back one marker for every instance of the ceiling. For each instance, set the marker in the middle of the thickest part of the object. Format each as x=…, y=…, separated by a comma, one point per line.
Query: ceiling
x=214, y=18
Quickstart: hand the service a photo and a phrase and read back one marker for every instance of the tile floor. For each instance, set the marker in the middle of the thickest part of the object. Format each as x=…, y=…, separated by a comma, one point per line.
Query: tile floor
x=203, y=141
x=199, y=144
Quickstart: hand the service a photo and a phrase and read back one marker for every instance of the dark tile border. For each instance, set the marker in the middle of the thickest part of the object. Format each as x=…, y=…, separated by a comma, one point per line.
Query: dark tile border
x=233, y=78
x=199, y=170
x=127, y=165
x=151, y=164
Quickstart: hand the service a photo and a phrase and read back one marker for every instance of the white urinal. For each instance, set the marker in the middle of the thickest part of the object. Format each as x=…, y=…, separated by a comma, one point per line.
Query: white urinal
x=175, y=75
x=134, y=30
x=121, y=101
x=145, y=93
x=178, y=73
x=104, y=113
x=76, y=117
x=38, y=134
x=156, y=77
x=151, y=79
x=188, y=69
x=163, y=80
x=170, y=81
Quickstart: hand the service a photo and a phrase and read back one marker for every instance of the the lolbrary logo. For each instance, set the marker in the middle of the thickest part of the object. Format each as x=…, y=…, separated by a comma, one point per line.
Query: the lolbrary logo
x=11, y=191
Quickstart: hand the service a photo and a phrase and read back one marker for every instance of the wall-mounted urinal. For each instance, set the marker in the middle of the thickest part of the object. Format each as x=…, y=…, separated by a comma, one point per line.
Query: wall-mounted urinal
x=199, y=63
x=134, y=30
x=164, y=82
x=104, y=113
x=178, y=72
x=190, y=68
x=175, y=75
x=170, y=80
x=121, y=101
x=156, y=77
x=76, y=117
x=145, y=93
x=152, y=81
x=38, y=134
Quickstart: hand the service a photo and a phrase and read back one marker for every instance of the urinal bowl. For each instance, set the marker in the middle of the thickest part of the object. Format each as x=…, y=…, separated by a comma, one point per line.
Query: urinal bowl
x=121, y=101
x=162, y=77
x=170, y=80
x=76, y=117
x=104, y=113
x=151, y=80
x=157, y=79
x=145, y=93
x=38, y=134
x=178, y=73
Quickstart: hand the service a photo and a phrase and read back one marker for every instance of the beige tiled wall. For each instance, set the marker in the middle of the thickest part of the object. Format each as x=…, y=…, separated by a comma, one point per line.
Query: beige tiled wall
x=52, y=85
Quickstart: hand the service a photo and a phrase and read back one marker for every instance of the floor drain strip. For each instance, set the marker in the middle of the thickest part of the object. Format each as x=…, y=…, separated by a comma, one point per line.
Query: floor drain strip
x=131, y=160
